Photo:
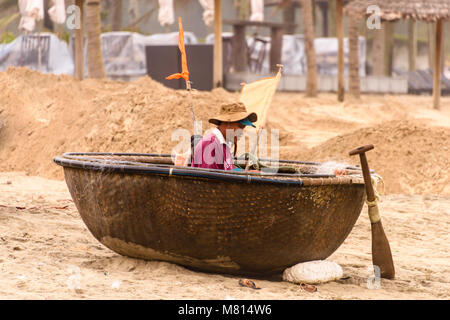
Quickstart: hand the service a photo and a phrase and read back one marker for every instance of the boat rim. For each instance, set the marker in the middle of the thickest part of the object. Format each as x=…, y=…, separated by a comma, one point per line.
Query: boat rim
x=79, y=160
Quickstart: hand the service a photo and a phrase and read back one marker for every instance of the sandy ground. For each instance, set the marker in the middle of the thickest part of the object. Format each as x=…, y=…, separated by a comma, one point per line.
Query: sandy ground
x=46, y=252
x=46, y=249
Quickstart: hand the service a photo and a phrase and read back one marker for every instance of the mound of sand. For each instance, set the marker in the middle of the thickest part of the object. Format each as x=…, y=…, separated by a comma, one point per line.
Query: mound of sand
x=46, y=115
x=411, y=156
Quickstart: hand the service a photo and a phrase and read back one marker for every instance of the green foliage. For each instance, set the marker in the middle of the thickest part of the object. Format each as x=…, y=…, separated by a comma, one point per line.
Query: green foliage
x=131, y=29
x=242, y=9
x=7, y=20
x=104, y=15
x=106, y=28
x=64, y=35
x=7, y=37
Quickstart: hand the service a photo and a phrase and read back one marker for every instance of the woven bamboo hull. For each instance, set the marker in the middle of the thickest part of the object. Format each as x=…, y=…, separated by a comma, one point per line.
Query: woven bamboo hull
x=212, y=225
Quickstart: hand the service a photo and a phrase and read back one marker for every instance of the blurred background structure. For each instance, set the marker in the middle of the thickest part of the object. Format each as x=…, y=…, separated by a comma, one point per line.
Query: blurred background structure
x=126, y=39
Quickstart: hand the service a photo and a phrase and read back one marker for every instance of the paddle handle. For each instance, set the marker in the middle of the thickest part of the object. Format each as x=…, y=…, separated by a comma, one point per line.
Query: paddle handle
x=381, y=251
x=365, y=169
x=367, y=178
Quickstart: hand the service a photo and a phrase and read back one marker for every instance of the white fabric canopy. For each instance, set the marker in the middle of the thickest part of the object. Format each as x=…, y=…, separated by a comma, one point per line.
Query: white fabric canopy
x=31, y=11
x=165, y=14
x=208, y=11
x=58, y=12
x=55, y=57
x=257, y=7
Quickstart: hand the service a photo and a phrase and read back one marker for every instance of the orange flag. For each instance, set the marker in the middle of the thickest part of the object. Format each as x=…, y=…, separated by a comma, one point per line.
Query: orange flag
x=184, y=71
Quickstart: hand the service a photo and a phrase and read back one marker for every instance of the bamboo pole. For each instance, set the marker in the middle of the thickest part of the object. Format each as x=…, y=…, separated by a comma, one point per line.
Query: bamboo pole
x=116, y=16
x=79, y=45
x=314, y=18
x=289, y=17
x=218, y=59
x=324, y=7
x=431, y=44
x=311, y=63
x=39, y=49
x=437, y=66
x=353, y=57
x=93, y=36
x=388, y=47
x=378, y=51
x=332, y=22
x=340, y=36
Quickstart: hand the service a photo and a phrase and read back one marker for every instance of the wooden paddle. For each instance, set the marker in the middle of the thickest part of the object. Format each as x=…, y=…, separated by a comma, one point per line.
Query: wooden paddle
x=381, y=251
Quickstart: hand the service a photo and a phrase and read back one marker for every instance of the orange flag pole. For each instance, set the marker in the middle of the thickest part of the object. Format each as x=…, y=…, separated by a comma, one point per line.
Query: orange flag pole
x=184, y=72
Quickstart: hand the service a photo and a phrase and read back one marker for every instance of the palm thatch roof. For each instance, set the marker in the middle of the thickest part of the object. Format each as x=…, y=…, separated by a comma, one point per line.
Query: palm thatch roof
x=426, y=10
x=281, y=3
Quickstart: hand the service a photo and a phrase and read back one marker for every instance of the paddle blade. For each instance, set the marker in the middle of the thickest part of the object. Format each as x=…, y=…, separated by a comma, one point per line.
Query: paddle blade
x=381, y=251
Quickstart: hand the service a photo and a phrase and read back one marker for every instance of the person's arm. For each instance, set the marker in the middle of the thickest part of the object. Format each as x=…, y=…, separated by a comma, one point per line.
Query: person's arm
x=340, y=172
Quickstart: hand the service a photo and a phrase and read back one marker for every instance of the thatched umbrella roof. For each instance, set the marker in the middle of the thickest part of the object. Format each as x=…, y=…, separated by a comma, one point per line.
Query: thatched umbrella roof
x=426, y=10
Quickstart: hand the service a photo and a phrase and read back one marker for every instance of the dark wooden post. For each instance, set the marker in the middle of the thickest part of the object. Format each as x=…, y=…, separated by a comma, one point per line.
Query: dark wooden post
x=79, y=44
x=116, y=15
x=412, y=44
x=378, y=51
x=311, y=62
x=239, y=43
x=353, y=57
x=48, y=23
x=332, y=10
x=437, y=66
x=324, y=10
x=276, y=46
x=218, y=59
x=96, y=68
x=388, y=47
x=239, y=48
x=431, y=28
x=289, y=17
x=340, y=36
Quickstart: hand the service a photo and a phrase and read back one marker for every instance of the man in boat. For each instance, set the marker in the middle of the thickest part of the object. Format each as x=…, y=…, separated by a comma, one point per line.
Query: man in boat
x=214, y=150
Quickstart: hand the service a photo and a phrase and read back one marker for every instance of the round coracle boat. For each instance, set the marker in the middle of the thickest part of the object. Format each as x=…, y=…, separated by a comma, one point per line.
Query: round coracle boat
x=255, y=223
